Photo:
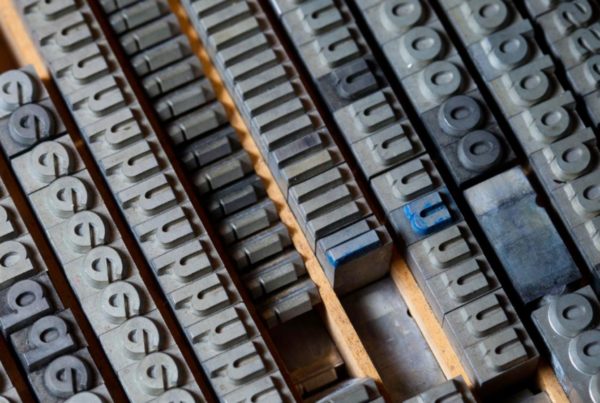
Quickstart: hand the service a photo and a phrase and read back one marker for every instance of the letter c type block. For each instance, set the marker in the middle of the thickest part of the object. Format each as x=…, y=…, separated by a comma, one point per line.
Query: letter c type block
x=424, y=216
x=427, y=214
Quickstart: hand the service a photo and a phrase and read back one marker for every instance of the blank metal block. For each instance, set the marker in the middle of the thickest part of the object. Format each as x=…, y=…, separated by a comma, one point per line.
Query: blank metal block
x=161, y=55
x=209, y=149
x=177, y=102
x=506, y=209
x=235, y=197
x=261, y=246
x=223, y=172
x=150, y=35
x=173, y=76
x=274, y=274
x=378, y=312
x=289, y=303
x=128, y=18
x=248, y=221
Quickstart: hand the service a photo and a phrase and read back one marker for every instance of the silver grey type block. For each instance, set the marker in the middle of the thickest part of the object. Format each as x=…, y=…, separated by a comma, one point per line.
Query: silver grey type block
x=274, y=274
x=356, y=389
x=172, y=76
x=495, y=348
x=65, y=377
x=215, y=335
x=290, y=303
x=204, y=297
x=248, y=221
x=209, y=149
x=136, y=338
x=568, y=325
x=161, y=55
x=46, y=339
x=27, y=125
x=386, y=148
x=395, y=22
x=368, y=115
x=223, y=172
x=186, y=99
x=127, y=154
x=18, y=253
x=253, y=73
x=565, y=160
x=561, y=20
x=252, y=360
x=19, y=87
x=46, y=162
x=7, y=390
x=406, y=182
x=154, y=375
x=261, y=246
x=150, y=35
x=236, y=197
x=451, y=269
x=128, y=18
x=453, y=390
x=42, y=300
x=327, y=203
